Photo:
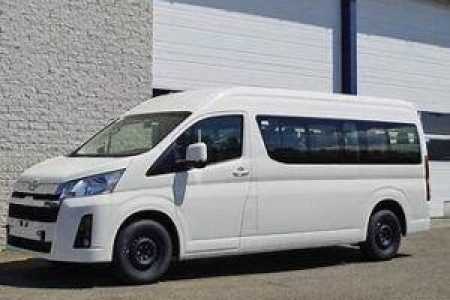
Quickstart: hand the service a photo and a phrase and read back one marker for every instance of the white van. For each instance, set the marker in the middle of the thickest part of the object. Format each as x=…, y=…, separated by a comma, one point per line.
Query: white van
x=229, y=171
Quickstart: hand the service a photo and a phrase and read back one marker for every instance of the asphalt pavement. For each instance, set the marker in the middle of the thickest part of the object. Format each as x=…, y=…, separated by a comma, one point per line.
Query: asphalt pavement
x=421, y=271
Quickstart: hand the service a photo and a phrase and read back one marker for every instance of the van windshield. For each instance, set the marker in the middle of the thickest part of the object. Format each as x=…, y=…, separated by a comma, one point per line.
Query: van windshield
x=131, y=135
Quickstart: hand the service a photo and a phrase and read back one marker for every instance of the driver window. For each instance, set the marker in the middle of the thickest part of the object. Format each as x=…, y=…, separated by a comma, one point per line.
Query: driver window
x=222, y=136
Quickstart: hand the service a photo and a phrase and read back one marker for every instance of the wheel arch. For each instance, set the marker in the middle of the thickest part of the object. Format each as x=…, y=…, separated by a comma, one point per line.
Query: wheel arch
x=396, y=207
x=158, y=216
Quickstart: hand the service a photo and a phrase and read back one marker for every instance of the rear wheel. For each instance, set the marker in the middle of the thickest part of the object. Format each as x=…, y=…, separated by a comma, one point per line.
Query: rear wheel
x=60, y=264
x=142, y=252
x=383, y=236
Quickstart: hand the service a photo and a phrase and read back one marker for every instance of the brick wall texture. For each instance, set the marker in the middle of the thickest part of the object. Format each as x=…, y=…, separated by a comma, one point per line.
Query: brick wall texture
x=66, y=68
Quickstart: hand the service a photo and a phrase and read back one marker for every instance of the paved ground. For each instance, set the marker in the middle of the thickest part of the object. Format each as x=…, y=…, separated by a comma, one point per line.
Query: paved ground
x=421, y=271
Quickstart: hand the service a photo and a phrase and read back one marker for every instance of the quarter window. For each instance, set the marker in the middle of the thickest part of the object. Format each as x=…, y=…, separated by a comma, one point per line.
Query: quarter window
x=389, y=143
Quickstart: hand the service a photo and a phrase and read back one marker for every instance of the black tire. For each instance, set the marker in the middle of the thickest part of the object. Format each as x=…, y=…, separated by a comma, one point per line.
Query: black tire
x=383, y=236
x=142, y=252
x=60, y=264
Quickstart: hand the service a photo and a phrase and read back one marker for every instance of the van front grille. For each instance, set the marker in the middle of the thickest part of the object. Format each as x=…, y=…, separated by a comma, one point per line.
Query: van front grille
x=32, y=213
x=41, y=197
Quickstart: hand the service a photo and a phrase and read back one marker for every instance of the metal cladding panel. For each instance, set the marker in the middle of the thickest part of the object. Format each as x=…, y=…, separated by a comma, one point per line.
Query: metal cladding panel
x=404, y=51
x=440, y=189
x=288, y=43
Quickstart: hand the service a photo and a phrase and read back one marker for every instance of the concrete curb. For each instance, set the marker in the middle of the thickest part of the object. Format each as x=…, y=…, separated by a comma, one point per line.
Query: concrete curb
x=440, y=223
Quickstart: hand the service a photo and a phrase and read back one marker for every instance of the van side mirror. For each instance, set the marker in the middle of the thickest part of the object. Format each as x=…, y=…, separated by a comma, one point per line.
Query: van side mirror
x=197, y=154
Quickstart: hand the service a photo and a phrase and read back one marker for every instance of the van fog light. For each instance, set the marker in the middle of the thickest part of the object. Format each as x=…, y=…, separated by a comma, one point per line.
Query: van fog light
x=83, y=238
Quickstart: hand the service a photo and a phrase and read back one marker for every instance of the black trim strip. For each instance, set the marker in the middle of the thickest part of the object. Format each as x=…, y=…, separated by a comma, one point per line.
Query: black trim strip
x=32, y=213
x=28, y=244
x=49, y=197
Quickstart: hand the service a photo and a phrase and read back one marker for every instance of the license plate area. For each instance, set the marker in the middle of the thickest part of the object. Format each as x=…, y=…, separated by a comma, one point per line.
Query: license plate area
x=37, y=231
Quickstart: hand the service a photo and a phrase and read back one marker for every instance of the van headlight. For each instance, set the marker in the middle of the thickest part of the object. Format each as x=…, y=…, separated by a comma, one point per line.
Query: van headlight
x=89, y=186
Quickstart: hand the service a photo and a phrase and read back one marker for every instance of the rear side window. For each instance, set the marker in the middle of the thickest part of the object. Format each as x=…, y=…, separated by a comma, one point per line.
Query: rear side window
x=388, y=143
x=301, y=140
x=323, y=136
x=297, y=140
x=285, y=139
x=351, y=145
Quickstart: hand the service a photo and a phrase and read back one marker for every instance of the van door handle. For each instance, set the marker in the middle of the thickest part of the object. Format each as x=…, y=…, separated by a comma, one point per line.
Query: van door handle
x=241, y=172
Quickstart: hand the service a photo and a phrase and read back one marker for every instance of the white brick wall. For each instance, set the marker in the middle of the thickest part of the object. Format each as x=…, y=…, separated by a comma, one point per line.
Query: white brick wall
x=66, y=67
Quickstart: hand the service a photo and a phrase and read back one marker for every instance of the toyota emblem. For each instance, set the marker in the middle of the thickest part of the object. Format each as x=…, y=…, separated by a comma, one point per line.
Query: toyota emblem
x=33, y=185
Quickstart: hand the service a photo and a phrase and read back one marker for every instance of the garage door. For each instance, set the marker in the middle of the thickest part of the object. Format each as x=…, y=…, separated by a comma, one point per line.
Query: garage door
x=284, y=43
x=404, y=51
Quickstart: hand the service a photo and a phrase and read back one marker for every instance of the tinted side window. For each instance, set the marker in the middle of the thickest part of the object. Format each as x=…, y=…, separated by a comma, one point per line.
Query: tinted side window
x=388, y=143
x=300, y=140
x=321, y=141
x=323, y=136
x=222, y=135
x=374, y=141
x=404, y=145
x=350, y=142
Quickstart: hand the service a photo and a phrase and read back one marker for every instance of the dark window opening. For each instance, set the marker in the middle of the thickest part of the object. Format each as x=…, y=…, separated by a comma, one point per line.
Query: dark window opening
x=439, y=150
x=296, y=140
x=222, y=135
x=436, y=123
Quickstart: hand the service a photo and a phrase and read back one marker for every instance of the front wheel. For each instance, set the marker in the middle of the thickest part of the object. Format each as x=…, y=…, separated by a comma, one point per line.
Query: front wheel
x=383, y=236
x=142, y=252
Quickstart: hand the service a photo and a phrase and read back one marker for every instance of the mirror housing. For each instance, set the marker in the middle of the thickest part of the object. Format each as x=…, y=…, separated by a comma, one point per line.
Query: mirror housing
x=197, y=154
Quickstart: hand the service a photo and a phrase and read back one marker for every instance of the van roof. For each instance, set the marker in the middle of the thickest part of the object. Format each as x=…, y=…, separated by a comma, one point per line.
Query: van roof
x=199, y=100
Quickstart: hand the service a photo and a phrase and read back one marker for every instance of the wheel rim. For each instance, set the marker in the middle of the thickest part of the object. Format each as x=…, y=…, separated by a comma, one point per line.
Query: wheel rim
x=385, y=234
x=143, y=252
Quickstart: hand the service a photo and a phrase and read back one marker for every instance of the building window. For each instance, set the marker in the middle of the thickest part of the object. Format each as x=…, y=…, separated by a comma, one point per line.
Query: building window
x=436, y=123
x=438, y=150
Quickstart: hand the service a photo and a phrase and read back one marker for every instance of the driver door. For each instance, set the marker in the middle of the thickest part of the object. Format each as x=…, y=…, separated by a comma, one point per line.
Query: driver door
x=210, y=199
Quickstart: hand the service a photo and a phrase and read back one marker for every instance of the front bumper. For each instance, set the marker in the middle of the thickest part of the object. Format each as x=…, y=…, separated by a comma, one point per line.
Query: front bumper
x=55, y=240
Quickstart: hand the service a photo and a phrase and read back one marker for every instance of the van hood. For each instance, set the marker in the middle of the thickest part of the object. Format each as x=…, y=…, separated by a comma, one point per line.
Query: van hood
x=62, y=169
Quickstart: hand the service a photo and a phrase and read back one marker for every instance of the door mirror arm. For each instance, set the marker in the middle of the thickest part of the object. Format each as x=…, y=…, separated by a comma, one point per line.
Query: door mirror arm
x=187, y=164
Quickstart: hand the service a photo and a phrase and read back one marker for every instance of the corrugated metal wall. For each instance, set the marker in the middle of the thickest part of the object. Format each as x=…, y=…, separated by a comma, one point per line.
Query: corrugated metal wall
x=404, y=51
x=287, y=43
